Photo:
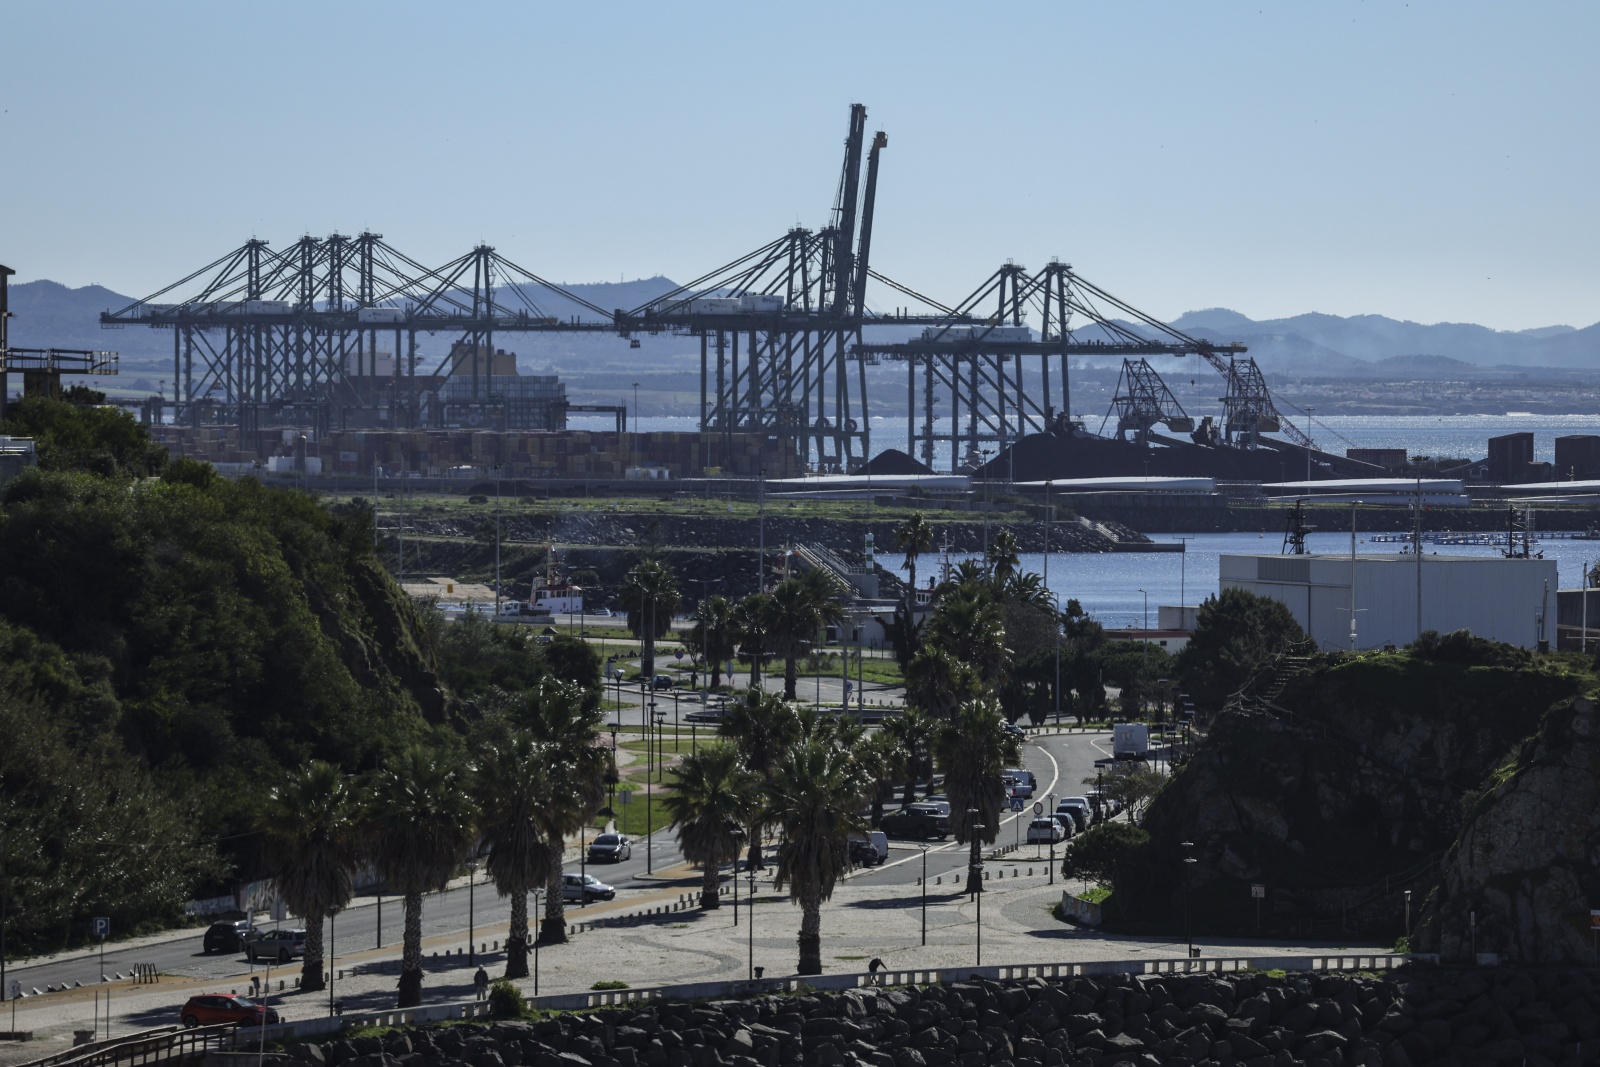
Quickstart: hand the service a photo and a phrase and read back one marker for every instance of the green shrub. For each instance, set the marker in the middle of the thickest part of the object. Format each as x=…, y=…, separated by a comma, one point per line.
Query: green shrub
x=613, y=984
x=505, y=1001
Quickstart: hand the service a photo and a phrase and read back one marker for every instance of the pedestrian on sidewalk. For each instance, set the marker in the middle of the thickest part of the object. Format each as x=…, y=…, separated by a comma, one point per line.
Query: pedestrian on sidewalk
x=480, y=982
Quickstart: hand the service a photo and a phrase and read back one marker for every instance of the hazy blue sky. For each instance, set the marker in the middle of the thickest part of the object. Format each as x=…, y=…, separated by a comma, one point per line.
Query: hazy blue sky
x=1432, y=161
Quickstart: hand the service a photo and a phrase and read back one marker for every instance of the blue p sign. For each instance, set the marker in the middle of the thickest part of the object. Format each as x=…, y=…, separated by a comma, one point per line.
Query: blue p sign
x=102, y=926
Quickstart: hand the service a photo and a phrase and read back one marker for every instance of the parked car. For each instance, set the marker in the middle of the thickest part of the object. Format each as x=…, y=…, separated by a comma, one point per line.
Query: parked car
x=1068, y=824
x=280, y=945
x=662, y=681
x=919, y=821
x=940, y=801
x=1014, y=730
x=1078, y=808
x=1045, y=831
x=584, y=888
x=862, y=854
x=1018, y=787
x=228, y=936
x=221, y=1009
x=610, y=848
x=1022, y=774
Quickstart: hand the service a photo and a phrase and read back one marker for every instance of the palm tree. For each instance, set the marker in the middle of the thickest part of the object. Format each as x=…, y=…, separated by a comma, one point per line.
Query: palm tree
x=1026, y=588
x=650, y=596
x=912, y=732
x=714, y=635
x=813, y=794
x=796, y=612
x=973, y=749
x=751, y=620
x=568, y=731
x=419, y=822
x=1003, y=559
x=511, y=784
x=938, y=681
x=914, y=537
x=712, y=798
x=312, y=824
x=763, y=727
x=969, y=625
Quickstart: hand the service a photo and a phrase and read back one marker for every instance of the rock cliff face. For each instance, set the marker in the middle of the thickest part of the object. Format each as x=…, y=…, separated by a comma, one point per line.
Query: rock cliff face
x=1525, y=873
x=1337, y=794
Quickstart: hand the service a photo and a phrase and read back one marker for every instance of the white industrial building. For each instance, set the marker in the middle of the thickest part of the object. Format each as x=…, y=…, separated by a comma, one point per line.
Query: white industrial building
x=1500, y=599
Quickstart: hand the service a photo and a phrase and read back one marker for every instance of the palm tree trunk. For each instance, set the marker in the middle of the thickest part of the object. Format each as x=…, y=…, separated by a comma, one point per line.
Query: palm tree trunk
x=647, y=664
x=877, y=799
x=716, y=673
x=753, y=858
x=910, y=796
x=411, y=955
x=755, y=668
x=790, y=674
x=311, y=966
x=810, y=939
x=710, y=888
x=974, y=877
x=553, y=927
x=517, y=936
x=911, y=587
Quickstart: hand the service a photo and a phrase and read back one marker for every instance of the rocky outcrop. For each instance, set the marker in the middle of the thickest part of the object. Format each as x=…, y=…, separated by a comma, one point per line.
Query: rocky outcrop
x=1525, y=873
x=1343, y=791
x=1330, y=1020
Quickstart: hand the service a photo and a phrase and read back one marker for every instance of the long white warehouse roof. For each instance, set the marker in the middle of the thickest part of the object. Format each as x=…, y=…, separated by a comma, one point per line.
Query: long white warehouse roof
x=1366, y=485
x=1157, y=484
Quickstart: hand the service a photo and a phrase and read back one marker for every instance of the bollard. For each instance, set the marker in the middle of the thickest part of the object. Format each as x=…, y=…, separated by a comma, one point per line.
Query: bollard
x=939, y=880
x=497, y=946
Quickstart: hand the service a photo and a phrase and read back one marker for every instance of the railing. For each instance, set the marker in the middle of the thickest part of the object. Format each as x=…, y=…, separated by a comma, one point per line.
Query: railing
x=929, y=976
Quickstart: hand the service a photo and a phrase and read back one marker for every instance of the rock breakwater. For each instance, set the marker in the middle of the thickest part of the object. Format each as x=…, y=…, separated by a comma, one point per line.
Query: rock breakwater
x=1322, y=1020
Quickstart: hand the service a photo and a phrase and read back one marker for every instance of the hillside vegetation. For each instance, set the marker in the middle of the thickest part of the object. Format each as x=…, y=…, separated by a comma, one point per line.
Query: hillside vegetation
x=171, y=642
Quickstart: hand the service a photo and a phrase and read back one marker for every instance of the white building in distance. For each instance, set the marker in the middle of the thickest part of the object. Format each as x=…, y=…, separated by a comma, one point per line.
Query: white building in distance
x=1509, y=600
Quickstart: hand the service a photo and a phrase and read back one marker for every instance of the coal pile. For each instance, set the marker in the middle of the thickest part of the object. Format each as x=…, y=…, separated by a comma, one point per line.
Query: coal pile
x=1257, y=1020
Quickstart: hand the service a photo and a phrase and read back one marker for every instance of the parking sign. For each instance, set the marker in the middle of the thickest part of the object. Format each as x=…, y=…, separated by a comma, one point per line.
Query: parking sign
x=102, y=926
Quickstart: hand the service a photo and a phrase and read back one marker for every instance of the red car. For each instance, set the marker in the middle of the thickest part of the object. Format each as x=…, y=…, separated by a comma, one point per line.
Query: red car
x=222, y=1009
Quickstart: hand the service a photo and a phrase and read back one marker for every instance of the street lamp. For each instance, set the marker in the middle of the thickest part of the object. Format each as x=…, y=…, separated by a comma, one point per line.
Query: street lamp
x=1188, y=860
x=497, y=470
x=924, y=848
x=472, y=884
x=1145, y=640
x=977, y=880
x=1051, y=797
x=751, y=932
x=659, y=719
x=538, y=895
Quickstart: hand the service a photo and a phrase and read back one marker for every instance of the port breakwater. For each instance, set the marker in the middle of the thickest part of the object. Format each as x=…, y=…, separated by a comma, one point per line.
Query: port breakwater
x=1409, y=1017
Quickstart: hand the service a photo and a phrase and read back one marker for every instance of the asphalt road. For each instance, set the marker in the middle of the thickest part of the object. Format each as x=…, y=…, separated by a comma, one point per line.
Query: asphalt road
x=1059, y=761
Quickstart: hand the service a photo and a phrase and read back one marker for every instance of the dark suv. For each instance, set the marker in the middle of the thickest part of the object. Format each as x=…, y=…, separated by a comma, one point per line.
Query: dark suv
x=231, y=936
x=919, y=821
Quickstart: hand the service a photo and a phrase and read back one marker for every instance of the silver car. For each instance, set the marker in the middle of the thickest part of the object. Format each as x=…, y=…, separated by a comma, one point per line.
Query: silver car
x=584, y=888
x=278, y=945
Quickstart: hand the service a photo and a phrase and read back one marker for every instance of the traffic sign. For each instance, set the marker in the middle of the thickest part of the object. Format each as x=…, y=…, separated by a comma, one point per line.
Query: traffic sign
x=626, y=796
x=1257, y=890
x=1594, y=919
x=1038, y=808
x=102, y=926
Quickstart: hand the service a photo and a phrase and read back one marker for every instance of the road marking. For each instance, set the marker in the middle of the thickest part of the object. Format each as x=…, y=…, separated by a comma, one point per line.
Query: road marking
x=1055, y=776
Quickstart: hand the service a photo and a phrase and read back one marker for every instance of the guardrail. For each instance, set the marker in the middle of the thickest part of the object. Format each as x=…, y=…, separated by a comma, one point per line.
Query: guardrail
x=929, y=976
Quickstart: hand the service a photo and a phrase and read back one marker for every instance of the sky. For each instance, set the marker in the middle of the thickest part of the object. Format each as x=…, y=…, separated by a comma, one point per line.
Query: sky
x=1431, y=161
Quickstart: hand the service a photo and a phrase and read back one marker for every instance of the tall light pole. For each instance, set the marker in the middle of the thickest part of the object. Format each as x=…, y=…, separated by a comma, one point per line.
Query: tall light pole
x=659, y=719
x=1055, y=632
x=977, y=880
x=497, y=469
x=1188, y=868
x=761, y=511
x=751, y=924
x=1051, y=799
x=472, y=926
x=924, y=848
x=1145, y=637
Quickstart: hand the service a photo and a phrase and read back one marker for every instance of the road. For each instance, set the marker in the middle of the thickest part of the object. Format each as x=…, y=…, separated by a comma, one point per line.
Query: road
x=1060, y=762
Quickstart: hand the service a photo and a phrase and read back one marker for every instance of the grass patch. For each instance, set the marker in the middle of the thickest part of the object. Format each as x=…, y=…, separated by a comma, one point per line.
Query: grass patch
x=610, y=984
x=1097, y=895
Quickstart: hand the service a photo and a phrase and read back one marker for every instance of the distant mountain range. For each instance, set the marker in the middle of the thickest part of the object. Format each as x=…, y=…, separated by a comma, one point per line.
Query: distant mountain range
x=47, y=313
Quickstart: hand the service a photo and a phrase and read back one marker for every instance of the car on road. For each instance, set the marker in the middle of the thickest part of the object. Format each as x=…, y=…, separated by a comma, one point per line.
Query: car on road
x=938, y=800
x=584, y=888
x=1014, y=730
x=662, y=681
x=1078, y=808
x=918, y=821
x=228, y=936
x=221, y=1009
x=610, y=848
x=1019, y=788
x=1045, y=831
x=280, y=945
x=862, y=854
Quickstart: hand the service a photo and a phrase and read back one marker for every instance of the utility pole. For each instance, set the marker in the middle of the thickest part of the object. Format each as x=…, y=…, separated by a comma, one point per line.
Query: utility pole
x=497, y=469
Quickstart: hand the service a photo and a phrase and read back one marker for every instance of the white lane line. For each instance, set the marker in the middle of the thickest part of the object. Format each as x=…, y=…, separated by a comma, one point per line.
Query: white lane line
x=1055, y=776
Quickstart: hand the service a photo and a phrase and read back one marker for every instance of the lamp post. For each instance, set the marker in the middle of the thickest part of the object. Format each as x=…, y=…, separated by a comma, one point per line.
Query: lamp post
x=1408, y=920
x=975, y=828
x=658, y=720
x=1051, y=798
x=1144, y=639
x=751, y=931
x=332, y=955
x=497, y=470
x=761, y=511
x=538, y=895
x=472, y=928
x=924, y=848
x=1055, y=632
x=1188, y=861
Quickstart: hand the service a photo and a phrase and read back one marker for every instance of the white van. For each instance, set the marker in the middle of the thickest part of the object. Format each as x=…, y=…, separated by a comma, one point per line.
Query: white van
x=877, y=839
